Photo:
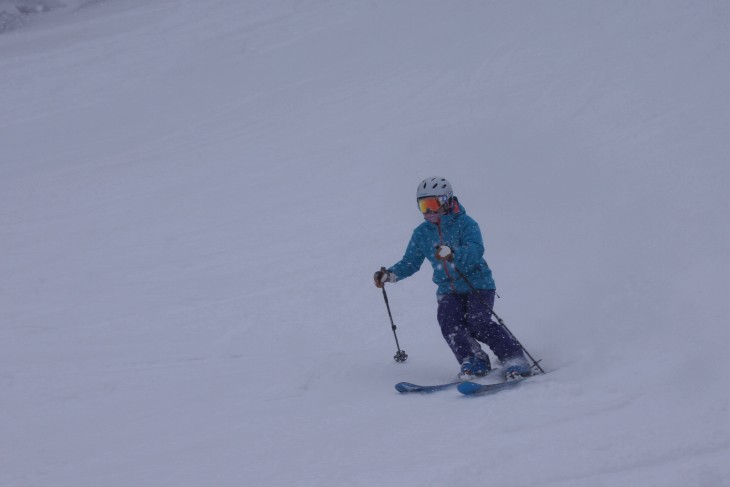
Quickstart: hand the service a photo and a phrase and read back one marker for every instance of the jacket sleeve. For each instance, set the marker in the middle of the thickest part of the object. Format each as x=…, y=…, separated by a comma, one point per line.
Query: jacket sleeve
x=471, y=249
x=411, y=261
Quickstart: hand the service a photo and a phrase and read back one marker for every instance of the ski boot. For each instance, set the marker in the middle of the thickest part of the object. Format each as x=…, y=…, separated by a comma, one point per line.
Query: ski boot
x=516, y=368
x=474, y=367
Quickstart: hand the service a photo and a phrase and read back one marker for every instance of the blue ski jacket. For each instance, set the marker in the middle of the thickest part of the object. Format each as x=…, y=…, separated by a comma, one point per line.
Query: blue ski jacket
x=461, y=233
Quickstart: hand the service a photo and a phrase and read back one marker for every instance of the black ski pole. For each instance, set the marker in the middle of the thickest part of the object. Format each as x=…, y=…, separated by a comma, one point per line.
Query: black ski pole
x=400, y=355
x=535, y=363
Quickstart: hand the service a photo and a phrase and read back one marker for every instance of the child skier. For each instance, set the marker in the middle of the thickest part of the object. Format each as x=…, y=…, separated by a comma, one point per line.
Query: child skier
x=452, y=243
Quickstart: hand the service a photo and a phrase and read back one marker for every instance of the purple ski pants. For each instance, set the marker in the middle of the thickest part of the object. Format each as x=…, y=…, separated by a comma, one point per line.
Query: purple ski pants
x=467, y=318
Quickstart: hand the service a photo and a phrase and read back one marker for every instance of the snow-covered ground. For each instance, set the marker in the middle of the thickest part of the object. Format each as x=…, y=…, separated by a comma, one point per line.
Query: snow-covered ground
x=194, y=196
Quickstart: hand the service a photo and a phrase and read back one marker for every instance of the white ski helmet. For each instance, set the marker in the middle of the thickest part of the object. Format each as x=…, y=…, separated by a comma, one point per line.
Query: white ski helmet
x=434, y=187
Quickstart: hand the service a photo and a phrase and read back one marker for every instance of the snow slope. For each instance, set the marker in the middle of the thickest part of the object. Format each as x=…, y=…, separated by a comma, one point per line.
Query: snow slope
x=194, y=196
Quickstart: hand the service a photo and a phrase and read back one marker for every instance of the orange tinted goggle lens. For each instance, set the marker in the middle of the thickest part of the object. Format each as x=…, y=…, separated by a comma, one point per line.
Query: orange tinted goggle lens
x=433, y=204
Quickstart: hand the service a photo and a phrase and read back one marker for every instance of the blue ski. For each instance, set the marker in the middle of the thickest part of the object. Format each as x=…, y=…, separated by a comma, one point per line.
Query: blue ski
x=408, y=387
x=470, y=388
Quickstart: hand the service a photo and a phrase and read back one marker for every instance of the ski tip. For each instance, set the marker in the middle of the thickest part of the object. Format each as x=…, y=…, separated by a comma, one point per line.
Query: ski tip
x=468, y=387
x=405, y=387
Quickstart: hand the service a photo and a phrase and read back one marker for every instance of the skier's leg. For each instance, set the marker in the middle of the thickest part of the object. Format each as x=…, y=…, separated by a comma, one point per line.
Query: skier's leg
x=477, y=351
x=451, y=318
x=483, y=328
x=480, y=361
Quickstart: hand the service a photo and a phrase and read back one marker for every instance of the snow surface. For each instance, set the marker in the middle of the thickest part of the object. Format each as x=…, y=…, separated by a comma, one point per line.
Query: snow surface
x=194, y=196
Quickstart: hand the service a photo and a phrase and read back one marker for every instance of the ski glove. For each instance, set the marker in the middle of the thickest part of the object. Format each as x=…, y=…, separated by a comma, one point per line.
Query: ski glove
x=444, y=253
x=383, y=276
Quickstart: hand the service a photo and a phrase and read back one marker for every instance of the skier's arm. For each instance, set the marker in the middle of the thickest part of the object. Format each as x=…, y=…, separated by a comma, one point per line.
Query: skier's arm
x=471, y=250
x=411, y=261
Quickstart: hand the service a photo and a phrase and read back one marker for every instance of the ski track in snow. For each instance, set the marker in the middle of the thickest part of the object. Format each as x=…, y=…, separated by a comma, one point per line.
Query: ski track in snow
x=194, y=197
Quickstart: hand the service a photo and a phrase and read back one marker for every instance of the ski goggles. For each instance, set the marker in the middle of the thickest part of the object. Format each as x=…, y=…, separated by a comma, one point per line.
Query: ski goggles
x=432, y=204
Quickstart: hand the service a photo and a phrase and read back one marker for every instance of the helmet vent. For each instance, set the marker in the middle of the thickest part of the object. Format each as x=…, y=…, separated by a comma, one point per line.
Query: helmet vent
x=433, y=186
